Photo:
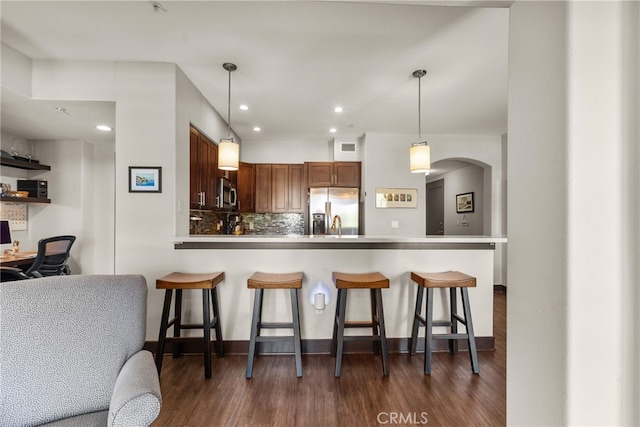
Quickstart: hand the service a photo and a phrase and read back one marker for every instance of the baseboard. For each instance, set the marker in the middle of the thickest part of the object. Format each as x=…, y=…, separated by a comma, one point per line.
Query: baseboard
x=500, y=288
x=323, y=346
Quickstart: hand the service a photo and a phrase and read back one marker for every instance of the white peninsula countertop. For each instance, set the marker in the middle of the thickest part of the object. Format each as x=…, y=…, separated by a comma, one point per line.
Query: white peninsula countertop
x=222, y=241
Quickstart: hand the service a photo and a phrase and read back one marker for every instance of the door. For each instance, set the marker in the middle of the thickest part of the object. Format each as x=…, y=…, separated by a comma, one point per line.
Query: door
x=435, y=207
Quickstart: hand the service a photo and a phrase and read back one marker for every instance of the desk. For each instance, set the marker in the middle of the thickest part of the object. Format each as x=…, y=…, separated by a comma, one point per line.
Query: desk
x=23, y=258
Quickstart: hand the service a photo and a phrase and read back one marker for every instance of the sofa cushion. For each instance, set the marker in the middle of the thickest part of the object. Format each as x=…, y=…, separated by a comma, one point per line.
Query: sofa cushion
x=64, y=341
x=94, y=419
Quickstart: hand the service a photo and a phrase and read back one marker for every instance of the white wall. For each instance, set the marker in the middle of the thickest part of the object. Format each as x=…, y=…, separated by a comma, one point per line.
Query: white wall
x=572, y=332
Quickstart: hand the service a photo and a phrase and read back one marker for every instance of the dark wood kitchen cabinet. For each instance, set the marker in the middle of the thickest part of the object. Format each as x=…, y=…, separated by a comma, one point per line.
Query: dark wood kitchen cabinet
x=287, y=194
x=246, y=185
x=333, y=174
x=202, y=174
x=279, y=188
x=263, y=188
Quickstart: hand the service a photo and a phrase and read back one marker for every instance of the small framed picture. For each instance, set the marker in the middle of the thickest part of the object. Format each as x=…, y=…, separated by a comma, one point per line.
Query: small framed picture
x=464, y=202
x=144, y=179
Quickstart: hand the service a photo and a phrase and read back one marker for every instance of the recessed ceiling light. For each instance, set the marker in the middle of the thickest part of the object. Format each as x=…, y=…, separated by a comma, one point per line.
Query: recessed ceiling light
x=338, y=109
x=104, y=128
x=256, y=129
x=333, y=130
x=244, y=107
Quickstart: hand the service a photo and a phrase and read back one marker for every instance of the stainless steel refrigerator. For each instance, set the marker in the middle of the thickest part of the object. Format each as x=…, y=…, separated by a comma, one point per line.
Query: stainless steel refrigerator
x=332, y=201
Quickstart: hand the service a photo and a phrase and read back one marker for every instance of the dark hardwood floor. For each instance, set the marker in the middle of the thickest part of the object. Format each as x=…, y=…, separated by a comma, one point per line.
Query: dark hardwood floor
x=451, y=396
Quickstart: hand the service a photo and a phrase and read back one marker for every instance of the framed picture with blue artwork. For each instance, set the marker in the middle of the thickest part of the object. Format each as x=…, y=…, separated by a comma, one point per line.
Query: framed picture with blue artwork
x=145, y=179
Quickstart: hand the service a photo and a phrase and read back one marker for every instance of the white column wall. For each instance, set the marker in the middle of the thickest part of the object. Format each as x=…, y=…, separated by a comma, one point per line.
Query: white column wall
x=572, y=355
x=597, y=292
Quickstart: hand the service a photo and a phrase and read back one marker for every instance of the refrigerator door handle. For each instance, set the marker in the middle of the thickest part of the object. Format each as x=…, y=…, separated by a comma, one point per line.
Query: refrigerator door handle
x=327, y=217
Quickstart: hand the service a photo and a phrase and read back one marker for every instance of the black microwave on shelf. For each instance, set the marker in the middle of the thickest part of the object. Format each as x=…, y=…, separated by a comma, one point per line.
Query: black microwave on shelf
x=227, y=196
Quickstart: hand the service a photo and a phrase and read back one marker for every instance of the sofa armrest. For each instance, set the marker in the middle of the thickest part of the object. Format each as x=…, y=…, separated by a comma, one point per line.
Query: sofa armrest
x=136, y=396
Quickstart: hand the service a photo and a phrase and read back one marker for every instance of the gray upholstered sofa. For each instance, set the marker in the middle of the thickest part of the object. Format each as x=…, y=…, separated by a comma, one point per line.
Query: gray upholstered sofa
x=71, y=352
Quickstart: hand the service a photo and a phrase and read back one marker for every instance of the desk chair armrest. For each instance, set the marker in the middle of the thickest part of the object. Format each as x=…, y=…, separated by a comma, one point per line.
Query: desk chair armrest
x=12, y=273
x=136, y=397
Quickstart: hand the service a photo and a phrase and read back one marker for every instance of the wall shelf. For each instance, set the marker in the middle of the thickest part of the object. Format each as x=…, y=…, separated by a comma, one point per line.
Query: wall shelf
x=23, y=164
x=24, y=199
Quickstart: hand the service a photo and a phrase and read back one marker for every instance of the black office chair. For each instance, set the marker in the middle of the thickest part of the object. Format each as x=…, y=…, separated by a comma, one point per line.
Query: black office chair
x=51, y=260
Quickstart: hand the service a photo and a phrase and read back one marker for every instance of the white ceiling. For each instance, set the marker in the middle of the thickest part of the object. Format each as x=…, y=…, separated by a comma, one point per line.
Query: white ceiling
x=296, y=62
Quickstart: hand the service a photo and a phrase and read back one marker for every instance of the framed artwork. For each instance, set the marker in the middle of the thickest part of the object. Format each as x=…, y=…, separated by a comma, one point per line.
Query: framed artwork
x=144, y=179
x=396, y=197
x=464, y=202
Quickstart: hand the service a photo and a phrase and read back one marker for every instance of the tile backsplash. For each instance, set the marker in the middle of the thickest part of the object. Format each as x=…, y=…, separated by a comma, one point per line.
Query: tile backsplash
x=210, y=222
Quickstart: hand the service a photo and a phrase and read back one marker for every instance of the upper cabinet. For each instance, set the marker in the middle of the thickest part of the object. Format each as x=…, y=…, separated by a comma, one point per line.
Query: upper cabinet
x=263, y=188
x=203, y=165
x=246, y=185
x=287, y=190
x=333, y=174
x=279, y=188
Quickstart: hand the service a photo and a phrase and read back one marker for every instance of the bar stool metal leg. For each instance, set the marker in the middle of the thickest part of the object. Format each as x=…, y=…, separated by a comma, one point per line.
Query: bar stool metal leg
x=255, y=329
x=383, y=333
x=417, y=319
x=206, y=326
x=375, y=325
x=216, y=314
x=453, y=303
x=334, y=339
x=428, y=334
x=296, y=331
x=177, y=322
x=473, y=351
x=163, y=328
x=342, y=302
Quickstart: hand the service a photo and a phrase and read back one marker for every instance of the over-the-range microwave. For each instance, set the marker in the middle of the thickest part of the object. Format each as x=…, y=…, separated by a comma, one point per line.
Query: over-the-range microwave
x=227, y=196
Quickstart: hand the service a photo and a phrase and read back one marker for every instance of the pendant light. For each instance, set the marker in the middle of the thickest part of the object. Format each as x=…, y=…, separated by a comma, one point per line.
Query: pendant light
x=420, y=152
x=228, y=149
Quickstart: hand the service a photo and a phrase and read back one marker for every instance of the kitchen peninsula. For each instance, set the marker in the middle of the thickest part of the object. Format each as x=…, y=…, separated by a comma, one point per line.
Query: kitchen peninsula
x=318, y=256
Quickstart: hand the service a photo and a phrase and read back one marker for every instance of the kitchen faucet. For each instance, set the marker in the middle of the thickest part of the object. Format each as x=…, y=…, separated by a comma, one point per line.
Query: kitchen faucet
x=333, y=224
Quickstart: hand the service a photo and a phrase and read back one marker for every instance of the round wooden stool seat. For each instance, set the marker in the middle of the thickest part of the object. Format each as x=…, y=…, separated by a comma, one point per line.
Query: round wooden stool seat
x=375, y=282
x=453, y=280
x=260, y=280
x=360, y=280
x=178, y=282
x=448, y=279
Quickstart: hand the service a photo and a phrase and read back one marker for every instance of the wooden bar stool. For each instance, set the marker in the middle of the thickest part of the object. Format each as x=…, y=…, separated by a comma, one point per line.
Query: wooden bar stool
x=179, y=281
x=260, y=282
x=452, y=280
x=374, y=282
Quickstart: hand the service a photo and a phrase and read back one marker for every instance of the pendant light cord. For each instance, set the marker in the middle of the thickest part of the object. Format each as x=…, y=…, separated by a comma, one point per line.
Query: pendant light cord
x=419, y=111
x=229, y=67
x=229, y=106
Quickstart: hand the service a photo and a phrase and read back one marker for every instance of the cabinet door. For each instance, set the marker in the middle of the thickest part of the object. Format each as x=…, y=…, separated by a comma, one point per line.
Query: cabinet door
x=320, y=174
x=246, y=178
x=212, y=167
x=263, y=188
x=346, y=174
x=279, y=188
x=297, y=189
x=194, y=170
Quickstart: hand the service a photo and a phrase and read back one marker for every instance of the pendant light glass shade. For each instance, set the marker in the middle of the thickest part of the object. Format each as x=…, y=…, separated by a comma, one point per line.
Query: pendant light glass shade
x=228, y=155
x=228, y=149
x=420, y=152
x=420, y=157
